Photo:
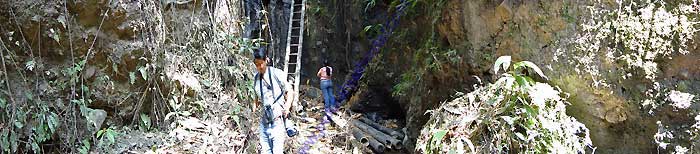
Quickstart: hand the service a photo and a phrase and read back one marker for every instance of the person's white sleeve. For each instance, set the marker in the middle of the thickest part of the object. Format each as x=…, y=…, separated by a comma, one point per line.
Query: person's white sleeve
x=256, y=89
x=285, y=80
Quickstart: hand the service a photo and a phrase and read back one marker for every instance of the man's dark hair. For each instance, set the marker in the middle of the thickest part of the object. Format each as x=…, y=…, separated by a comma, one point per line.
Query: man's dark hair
x=259, y=53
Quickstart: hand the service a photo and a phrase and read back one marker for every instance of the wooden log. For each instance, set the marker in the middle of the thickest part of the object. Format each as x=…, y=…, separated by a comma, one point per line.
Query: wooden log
x=360, y=136
x=379, y=127
x=387, y=140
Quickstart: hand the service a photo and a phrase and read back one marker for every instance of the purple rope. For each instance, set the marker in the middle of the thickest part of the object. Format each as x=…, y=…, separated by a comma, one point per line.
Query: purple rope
x=350, y=86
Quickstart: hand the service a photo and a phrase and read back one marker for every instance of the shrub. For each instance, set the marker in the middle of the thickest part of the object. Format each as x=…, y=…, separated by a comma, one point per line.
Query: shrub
x=515, y=114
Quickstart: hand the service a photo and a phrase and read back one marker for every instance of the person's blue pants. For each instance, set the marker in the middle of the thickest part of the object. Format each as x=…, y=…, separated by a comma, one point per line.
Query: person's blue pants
x=328, y=97
x=272, y=137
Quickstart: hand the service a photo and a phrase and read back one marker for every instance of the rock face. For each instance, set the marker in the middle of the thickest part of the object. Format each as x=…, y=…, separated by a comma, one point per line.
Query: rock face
x=609, y=94
x=333, y=34
x=96, y=117
x=618, y=88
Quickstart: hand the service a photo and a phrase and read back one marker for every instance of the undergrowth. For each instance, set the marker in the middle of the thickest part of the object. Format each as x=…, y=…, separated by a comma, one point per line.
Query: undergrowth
x=516, y=114
x=48, y=102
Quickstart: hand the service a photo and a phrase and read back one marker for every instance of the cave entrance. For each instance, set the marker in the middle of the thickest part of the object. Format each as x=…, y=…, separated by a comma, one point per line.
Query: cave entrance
x=377, y=104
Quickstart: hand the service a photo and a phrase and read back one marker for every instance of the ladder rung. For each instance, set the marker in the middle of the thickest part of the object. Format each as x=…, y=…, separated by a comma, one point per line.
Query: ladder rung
x=296, y=20
x=297, y=12
x=298, y=4
x=296, y=27
x=294, y=45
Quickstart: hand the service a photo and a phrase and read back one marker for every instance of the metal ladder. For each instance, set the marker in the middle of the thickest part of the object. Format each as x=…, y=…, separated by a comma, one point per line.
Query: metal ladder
x=295, y=35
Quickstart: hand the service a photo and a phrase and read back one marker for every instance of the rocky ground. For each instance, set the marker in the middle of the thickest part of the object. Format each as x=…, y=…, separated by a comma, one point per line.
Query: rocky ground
x=217, y=132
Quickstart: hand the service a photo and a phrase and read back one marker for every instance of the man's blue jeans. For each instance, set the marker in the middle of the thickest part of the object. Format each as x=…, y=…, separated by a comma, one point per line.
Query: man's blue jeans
x=272, y=137
x=329, y=99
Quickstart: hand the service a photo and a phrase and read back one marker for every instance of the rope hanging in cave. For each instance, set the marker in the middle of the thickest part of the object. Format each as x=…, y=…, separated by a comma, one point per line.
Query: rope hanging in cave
x=350, y=85
x=378, y=42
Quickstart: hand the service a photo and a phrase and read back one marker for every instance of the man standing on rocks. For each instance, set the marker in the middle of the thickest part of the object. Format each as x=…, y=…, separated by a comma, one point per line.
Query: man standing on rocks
x=272, y=89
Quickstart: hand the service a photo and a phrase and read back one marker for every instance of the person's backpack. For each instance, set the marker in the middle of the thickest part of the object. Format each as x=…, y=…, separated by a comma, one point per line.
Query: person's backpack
x=268, y=115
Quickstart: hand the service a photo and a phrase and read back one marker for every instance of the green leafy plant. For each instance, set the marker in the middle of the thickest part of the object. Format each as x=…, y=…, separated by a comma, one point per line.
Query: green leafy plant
x=3, y=103
x=177, y=106
x=371, y=31
x=85, y=148
x=35, y=115
x=5, y=140
x=410, y=4
x=82, y=105
x=435, y=141
x=370, y=4
x=408, y=80
x=517, y=74
x=246, y=45
x=106, y=137
x=132, y=77
x=318, y=10
x=72, y=73
x=145, y=122
x=516, y=114
x=235, y=115
x=245, y=89
x=30, y=65
x=429, y=58
x=142, y=71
